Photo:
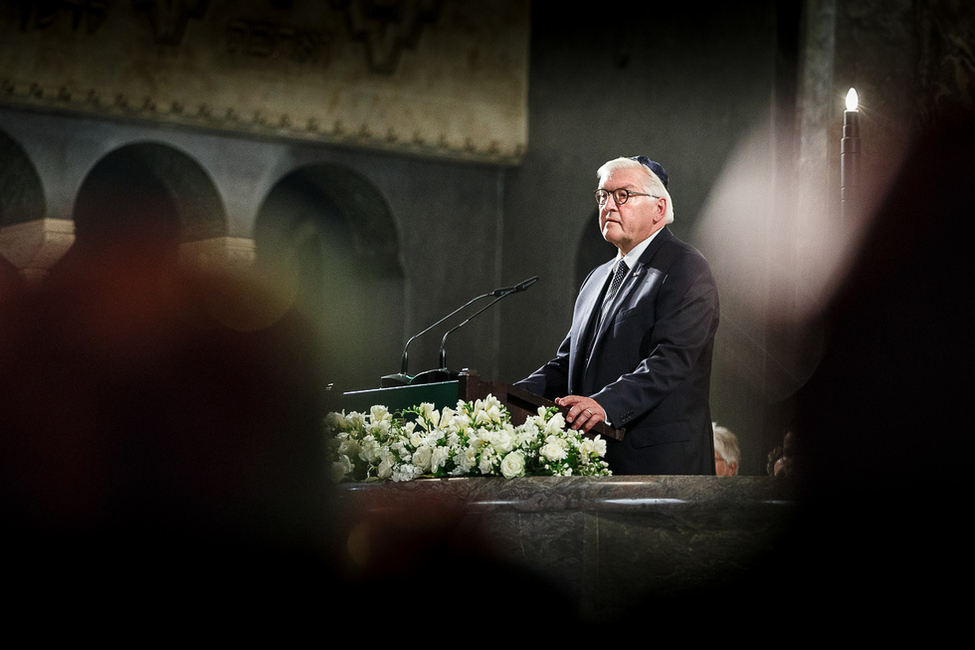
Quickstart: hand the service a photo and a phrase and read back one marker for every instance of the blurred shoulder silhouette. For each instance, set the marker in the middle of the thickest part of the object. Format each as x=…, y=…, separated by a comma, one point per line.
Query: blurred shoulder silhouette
x=151, y=435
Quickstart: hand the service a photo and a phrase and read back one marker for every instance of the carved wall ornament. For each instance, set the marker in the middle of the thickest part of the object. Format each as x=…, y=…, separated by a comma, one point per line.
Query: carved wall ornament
x=170, y=17
x=387, y=28
x=83, y=14
x=439, y=78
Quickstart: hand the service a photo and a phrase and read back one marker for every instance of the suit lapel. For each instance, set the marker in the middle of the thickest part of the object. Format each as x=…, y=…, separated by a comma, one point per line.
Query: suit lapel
x=583, y=320
x=612, y=308
x=637, y=274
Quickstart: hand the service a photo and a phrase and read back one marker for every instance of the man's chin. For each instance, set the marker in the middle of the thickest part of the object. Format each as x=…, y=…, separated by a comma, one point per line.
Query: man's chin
x=611, y=234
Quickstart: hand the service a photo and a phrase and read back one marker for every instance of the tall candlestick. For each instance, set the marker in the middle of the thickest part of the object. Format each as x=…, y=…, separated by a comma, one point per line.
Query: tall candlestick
x=850, y=156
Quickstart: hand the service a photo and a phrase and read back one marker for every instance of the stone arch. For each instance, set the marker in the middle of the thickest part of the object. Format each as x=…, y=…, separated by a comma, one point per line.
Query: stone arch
x=331, y=233
x=21, y=191
x=24, y=240
x=152, y=183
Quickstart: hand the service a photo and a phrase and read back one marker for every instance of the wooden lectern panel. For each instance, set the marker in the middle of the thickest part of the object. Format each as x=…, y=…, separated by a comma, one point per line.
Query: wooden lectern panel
x=520, y=403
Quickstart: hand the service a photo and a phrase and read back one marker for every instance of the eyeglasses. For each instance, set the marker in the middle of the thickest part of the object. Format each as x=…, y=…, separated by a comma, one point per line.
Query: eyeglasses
x=620, y=195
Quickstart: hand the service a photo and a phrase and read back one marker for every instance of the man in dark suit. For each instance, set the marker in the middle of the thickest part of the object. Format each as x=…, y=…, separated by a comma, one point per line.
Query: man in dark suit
x=638, y=354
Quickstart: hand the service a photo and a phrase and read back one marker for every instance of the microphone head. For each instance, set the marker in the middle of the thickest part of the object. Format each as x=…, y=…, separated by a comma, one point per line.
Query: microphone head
x=525, y=284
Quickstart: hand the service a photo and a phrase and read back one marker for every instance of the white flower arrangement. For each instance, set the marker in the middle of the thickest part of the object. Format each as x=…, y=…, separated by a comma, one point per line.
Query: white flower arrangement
x=475, y=439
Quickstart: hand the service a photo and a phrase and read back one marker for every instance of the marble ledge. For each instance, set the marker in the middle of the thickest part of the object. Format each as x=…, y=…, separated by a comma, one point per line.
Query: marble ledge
x=602, y=544
x=623, y=493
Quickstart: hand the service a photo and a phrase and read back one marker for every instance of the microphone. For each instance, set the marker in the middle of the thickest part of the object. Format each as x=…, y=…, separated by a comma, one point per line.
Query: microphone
x=525, y=284
x=521, y=286
x=402, y=378
x=518, y=288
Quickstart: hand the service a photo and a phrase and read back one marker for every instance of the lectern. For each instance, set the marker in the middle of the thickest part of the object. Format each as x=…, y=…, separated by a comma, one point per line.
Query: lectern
x=468, y=387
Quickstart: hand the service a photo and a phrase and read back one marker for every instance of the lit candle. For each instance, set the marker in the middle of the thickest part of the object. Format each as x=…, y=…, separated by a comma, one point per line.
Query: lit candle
x=850, y=155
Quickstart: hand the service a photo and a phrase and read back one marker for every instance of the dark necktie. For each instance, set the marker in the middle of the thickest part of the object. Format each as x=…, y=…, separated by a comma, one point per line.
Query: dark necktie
x=621, y=270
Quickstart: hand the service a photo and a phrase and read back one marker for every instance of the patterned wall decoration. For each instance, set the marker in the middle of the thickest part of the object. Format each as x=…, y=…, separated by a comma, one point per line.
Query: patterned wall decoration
x=444, y=78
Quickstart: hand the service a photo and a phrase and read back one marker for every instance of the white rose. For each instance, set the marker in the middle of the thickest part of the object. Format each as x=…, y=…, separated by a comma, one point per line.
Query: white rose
x=556, y=424
x=502, y=441
x=349, y=447
x=553, y=449
x=513, y=465
x=422, y=458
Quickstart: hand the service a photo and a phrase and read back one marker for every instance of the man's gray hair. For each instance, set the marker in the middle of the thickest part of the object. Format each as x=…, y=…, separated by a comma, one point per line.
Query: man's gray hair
x=652, y=184
x=726, y=444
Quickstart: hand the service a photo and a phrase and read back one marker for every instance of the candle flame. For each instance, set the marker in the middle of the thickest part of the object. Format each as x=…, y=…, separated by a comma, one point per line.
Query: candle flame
x=851, y=100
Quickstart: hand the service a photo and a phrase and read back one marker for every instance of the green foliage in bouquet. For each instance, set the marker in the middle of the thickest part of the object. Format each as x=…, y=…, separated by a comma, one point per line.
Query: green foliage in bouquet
x=475, y=439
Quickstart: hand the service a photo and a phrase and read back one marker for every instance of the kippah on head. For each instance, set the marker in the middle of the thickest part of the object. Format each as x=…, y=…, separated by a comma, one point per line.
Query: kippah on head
x=653, y=166
x=657, y=174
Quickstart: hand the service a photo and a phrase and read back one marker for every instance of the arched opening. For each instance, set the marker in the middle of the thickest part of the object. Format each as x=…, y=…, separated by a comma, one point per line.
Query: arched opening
x=150, y=183
x=330, y=232
x=147, y=195
x=21, y=202
x=21, y=193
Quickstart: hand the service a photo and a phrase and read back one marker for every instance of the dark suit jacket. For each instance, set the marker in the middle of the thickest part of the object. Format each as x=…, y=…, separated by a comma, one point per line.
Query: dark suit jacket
x=650, y=367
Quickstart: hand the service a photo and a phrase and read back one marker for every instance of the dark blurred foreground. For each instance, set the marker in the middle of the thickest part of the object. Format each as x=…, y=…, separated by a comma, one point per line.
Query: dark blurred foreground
x=155, y=459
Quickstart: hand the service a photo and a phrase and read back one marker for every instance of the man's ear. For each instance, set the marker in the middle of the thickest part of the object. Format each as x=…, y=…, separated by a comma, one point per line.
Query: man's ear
x=661, y=210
